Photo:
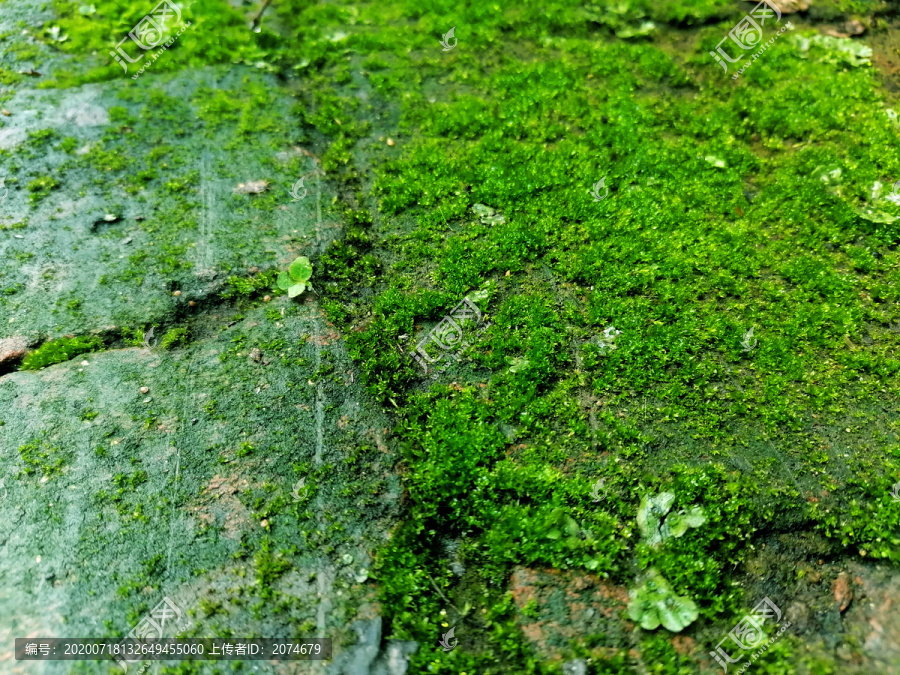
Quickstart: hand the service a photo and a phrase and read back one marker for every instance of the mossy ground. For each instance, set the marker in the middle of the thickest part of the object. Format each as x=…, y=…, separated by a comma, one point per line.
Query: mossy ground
x=732, y=205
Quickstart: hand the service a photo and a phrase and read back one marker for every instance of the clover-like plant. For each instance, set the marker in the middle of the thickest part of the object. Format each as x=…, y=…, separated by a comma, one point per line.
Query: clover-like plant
x=656, y=526
x=654, y=603
x=296, y=279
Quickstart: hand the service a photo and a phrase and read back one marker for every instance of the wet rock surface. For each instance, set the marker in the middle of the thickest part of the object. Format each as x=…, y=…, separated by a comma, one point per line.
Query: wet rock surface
x=132, y=474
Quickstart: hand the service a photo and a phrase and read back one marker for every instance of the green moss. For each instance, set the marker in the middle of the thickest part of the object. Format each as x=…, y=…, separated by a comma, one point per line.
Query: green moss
x=269, y=566
x=68, y=144
x=42, y=137
x=8, y=77
x=40, y=457
x=253, y=286
x=175, y=337
x=217, y=34
x=717, y=221
x=40, y=188
x=59, y=350
x=134, y=337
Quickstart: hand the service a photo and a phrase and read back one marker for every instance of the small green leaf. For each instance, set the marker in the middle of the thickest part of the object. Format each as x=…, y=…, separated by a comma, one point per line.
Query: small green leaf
x=296, y=290
x=654, y=603
x=695, y=517
x=301, y=269
x=284, y=281
x=675, y=526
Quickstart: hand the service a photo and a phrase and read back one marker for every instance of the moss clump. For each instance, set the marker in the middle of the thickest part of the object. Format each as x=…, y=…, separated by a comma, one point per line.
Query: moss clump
x=8, y=77
x=57, y=351
x=41, y=457
x=175, y=337
x=41, y=137
x=40, y=187
x=248, y=287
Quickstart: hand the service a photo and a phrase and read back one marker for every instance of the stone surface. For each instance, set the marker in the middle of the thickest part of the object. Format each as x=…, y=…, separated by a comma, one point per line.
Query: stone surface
x=189, y=496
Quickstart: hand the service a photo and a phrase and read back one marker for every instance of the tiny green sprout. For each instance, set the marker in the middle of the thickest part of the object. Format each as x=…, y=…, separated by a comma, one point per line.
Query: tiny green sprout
x=296, y=279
